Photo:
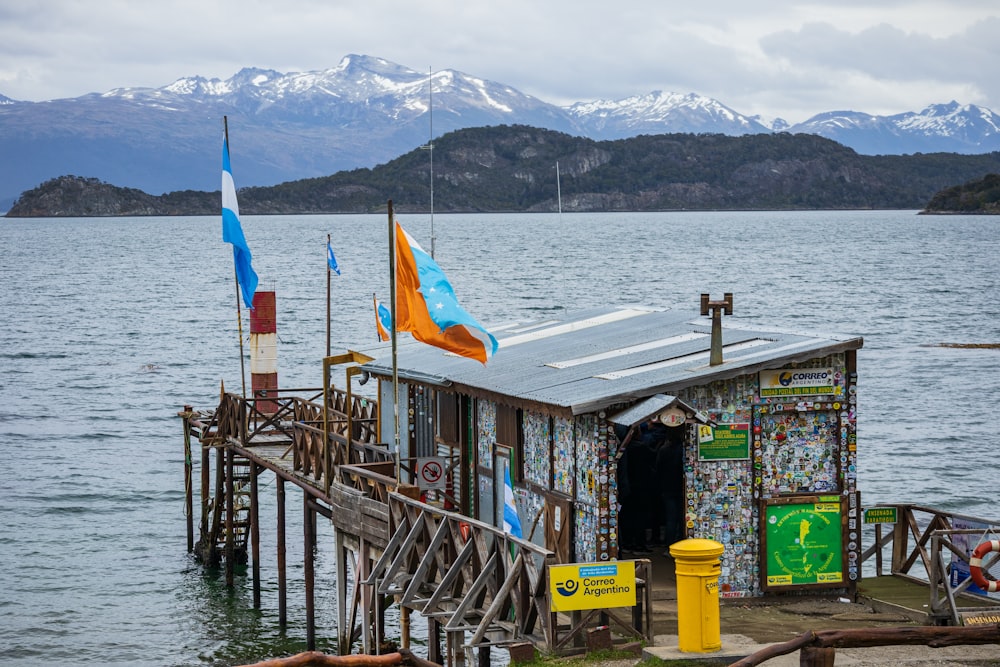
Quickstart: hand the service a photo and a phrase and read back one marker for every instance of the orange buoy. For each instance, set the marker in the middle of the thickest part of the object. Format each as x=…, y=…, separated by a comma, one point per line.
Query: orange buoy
x=976, y=566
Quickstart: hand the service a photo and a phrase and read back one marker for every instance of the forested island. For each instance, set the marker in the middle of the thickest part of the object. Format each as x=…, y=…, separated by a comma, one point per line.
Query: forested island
x=513, y=168
x=978, y=197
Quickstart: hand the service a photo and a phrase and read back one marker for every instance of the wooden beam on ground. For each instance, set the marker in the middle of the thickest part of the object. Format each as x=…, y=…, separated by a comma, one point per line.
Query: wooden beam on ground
x=934, y=637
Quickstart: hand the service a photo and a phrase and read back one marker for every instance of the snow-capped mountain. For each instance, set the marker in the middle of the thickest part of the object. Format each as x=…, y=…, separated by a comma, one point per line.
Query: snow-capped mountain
x=949, y=128
x=659, y=113
x=366, y=111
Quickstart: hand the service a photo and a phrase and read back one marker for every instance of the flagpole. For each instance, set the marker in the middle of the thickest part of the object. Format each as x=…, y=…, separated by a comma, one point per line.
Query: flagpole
x=392, y=306
x=328, y=271
x=236, y=280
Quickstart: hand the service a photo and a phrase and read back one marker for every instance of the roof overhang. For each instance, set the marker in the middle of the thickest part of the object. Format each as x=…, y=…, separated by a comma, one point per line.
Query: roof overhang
x=654, y=405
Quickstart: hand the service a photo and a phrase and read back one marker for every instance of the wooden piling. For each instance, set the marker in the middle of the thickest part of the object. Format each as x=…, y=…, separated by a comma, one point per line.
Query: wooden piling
x=282, y=576
x=308, y=529
x=255, y=531
x=344, y=629
x=230, y=538
x=188, y=472
x=433, y=640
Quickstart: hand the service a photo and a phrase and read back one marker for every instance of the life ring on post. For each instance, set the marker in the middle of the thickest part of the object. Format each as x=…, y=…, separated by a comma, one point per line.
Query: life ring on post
x=976, y=566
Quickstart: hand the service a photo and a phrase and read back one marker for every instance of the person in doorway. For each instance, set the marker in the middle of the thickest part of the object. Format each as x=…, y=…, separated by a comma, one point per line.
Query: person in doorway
x=670, y=473
x=643, y=484
x=633, y=489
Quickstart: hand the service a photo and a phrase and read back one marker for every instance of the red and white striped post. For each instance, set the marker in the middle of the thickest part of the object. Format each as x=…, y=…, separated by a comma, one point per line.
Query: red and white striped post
x=264, y=351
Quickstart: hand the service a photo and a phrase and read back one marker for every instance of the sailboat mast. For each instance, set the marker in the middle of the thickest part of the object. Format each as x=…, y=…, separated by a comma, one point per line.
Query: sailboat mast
x=558, y=191
x=430, y=146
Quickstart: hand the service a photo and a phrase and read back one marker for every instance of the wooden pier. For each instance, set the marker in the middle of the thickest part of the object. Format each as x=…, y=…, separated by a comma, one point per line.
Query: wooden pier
x=477, y=586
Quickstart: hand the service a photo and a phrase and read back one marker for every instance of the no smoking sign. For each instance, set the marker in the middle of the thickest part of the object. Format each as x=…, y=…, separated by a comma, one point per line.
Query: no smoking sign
x=430, y=472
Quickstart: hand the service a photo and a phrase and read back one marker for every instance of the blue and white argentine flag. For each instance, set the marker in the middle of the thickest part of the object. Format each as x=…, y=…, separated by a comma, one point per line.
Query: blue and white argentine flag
x=511, y=522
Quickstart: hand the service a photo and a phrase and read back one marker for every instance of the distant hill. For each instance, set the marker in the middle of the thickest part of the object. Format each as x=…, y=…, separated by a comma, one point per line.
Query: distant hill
x=368, y=110
x=981, y=196
x=512, y=168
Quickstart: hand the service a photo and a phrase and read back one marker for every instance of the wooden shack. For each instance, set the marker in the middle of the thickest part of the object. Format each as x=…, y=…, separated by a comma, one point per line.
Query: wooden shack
x=766, y=421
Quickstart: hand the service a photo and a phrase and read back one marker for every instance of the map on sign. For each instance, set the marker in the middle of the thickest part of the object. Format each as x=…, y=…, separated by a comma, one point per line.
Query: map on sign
x=803, y=543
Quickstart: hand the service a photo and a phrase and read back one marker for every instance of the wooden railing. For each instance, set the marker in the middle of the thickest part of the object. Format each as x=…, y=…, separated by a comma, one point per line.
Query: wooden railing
x=300, y=421
x=918, y=542
x=481, y=586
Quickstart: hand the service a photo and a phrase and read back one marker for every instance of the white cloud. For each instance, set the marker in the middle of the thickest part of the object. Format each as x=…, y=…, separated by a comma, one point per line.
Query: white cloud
x=778, y=58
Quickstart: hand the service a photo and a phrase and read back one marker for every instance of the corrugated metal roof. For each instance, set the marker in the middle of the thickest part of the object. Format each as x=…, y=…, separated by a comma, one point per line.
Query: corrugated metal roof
x=592, y=359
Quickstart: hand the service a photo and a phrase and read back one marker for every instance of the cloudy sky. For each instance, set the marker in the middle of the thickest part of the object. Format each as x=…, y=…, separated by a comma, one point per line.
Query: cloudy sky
x=787, y=58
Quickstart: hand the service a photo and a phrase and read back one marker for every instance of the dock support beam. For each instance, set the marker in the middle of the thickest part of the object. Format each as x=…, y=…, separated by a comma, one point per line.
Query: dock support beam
x=434, y=640
x=344, y=630
x=309, y=531
x=230, y=538
x=282, y=576
x=255, y=531
x=188, y=471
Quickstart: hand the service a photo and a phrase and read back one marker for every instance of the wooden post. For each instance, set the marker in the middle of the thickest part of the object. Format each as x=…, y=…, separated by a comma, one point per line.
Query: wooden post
x=230, y=538
x=188, y=469
x=484, y=656
x=815, y=656
x=404, y=627
x=878, y=550
x=366, y=607
x=282, y=577
x=255, y=531
x=900, y=539
x=206, y=481
x=344, y=630
x=309, y=528
x=434, y=640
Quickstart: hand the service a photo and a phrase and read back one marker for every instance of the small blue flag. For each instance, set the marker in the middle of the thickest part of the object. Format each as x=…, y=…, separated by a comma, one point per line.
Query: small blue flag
x=331, y=261
x=232, y=231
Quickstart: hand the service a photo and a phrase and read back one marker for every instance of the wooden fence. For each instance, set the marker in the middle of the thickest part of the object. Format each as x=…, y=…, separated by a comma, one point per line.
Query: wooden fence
x=918, y=542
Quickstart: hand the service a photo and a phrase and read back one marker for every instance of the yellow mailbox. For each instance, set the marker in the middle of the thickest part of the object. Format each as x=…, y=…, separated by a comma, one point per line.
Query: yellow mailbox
x=697, y=566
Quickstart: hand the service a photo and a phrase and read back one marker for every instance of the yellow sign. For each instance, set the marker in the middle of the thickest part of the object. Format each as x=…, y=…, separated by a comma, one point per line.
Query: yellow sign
x=592, y=585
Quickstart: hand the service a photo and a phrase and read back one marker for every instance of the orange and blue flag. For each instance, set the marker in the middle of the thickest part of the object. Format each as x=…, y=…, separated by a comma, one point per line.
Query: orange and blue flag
x=426, y=305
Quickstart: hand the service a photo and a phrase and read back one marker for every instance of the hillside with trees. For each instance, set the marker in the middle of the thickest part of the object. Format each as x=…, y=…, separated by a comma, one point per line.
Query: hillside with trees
x=978, y=197
x=513, y=168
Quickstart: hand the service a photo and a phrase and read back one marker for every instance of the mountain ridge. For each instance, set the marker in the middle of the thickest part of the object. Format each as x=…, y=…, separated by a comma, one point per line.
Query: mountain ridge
x=368, y=110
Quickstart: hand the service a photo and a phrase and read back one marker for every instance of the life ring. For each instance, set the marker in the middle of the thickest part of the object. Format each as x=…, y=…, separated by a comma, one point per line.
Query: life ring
x=976, y=566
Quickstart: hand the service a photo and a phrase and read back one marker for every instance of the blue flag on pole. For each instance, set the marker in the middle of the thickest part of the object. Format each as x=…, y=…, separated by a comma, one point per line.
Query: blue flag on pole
x=232, y=231
x=331, y=261
x=511, y=522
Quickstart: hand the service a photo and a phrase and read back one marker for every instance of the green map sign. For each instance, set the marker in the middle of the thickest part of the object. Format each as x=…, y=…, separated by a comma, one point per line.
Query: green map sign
x=803, y=542
x=724, y=442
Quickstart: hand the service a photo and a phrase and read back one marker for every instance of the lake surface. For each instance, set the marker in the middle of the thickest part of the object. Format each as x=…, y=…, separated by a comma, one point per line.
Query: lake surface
x=113, y=325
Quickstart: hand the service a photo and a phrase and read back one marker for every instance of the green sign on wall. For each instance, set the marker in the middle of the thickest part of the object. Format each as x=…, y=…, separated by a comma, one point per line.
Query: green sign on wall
x=724, y=442
x=803, y=542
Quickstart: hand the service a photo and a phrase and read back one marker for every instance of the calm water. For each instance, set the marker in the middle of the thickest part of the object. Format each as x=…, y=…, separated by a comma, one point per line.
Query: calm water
x=114, y=324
